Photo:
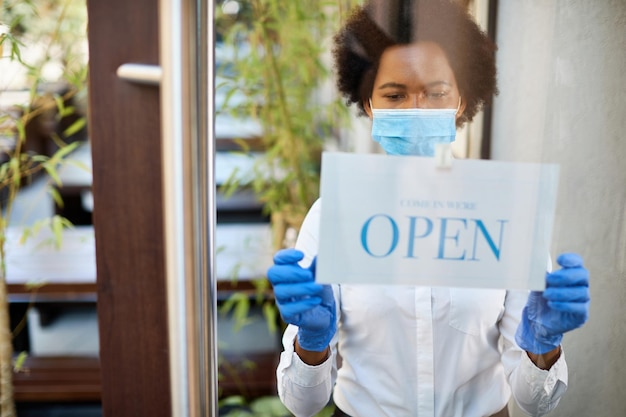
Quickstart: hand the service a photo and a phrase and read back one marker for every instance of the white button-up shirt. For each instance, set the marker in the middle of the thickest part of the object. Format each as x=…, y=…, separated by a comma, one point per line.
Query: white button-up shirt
x=417, y=351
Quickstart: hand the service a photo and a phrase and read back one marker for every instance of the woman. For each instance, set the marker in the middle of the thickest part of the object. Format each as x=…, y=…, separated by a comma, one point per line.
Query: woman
x=415, y=351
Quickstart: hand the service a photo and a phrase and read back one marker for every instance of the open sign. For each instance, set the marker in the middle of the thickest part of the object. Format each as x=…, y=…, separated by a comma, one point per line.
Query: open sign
x=402, y=220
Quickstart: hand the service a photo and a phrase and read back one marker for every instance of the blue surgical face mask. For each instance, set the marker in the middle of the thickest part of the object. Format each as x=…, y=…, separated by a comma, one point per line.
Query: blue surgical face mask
x=413, y=131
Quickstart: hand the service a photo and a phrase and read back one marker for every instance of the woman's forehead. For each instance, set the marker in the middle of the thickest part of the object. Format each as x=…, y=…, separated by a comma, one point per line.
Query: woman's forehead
x=420, y=62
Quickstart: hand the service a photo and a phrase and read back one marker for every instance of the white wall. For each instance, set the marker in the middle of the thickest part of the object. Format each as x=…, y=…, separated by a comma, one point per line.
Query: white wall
x=562, y=80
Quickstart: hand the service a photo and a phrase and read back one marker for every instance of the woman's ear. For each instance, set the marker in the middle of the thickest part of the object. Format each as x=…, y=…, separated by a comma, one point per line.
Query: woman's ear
x=368, y=107
x=461, y=108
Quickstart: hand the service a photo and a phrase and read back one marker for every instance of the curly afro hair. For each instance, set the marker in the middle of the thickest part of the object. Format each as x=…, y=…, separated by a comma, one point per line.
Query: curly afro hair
x=378, y=24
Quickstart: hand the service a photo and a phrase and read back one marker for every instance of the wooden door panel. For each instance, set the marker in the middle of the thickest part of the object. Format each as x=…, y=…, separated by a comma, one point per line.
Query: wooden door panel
x=124, y=129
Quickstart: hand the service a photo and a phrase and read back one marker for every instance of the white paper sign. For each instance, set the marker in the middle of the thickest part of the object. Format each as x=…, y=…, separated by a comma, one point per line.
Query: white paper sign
x=402, y=220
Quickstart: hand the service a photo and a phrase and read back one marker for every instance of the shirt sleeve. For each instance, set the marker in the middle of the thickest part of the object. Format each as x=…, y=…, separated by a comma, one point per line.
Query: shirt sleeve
x=536, y=391
x=306, y=389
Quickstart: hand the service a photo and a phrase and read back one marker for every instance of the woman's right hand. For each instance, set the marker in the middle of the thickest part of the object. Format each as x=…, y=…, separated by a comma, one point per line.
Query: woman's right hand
x=302, y=302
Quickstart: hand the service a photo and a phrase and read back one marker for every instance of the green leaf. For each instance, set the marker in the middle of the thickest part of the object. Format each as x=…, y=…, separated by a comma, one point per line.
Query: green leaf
x=4, y=169
x=243, y=144
x=231, y=184
x=67, y=224
x=56, y=196
x=75, y=127
x=231, y=301
x=16, y=175
x=18, y=364
x=233, y=400
x=261, y=286
x=16, y=53
x=36, y=227
x=234, y=273
x=33, y=285
x=78, y=164
x=26, y=233
x=57, y=225
x=77, y=77
x=61, y=153
x=240, y=313
x=21, y=130
x=269, y=406
x=65, y=150
x=271, y=316
x=51, y=170
x=59, y=102
x=248, y=364
x=67, y=111
x=228, y=96
x=39, y=158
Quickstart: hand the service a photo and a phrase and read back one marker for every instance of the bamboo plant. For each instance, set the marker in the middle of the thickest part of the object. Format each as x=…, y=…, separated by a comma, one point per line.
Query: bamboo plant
x=278, y=69
x=278, y=74
x=279, y=64
x=56, y=26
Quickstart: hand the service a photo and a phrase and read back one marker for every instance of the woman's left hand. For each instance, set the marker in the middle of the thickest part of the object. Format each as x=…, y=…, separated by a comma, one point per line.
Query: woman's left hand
x=563, y=306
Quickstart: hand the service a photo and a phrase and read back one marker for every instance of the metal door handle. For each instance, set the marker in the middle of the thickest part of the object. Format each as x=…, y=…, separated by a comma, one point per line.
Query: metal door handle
x=140, y=73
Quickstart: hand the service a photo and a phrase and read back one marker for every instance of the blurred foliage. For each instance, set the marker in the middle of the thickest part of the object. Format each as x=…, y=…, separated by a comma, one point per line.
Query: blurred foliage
x=274, y=68
x=277, y=65
x=53, y=35
x=42, y=41
x=270, y=406
x=273, y=64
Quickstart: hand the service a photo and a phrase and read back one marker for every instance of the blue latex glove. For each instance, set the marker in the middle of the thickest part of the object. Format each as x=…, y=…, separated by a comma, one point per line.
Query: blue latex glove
x=302, y=302
x=563, y=306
